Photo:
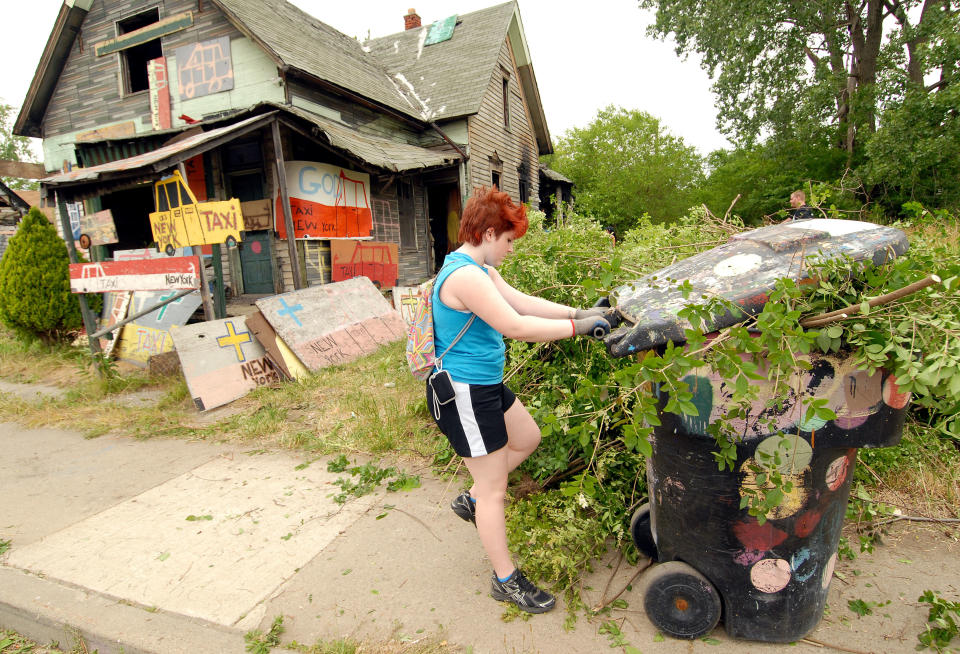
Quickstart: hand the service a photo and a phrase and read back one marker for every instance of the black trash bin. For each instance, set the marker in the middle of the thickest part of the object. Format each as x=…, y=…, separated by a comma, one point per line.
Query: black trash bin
x=768, y=581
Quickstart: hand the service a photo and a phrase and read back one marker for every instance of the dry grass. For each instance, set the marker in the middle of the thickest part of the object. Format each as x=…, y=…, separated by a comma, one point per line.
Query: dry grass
x=370, y=406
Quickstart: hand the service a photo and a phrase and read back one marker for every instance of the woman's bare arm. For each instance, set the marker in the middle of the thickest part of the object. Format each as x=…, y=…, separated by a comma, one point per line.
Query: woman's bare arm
x=469, y=289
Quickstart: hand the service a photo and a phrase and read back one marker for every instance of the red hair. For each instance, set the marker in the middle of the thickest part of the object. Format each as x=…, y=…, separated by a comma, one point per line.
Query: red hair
x=487, y=208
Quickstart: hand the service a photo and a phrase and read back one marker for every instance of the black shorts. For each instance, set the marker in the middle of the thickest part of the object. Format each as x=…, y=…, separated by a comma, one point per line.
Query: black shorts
x=473, y=422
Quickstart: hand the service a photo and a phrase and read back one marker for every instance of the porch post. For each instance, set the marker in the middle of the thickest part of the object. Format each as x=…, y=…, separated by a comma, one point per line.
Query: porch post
x=285, y=201
x=89, y=320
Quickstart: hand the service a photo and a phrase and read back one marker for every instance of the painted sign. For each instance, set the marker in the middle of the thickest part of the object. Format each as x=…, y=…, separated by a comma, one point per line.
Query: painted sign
x=405, y=301
x=378, y=261
x=136, y=275
x=326, y=202
x=179, y=220
x=159, y=93
x=75, y=214
x=334, y=323
x=138, y=343
x=114, y=310
x=172, y=314
x=222, y=361
x=97, y=229
x=204, y=68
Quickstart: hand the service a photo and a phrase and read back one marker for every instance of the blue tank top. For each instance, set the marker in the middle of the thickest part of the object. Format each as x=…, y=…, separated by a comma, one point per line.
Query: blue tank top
x=479, y=356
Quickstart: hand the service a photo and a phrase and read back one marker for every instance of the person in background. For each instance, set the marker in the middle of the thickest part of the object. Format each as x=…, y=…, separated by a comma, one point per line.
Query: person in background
x=798, y=206
x=483, y=420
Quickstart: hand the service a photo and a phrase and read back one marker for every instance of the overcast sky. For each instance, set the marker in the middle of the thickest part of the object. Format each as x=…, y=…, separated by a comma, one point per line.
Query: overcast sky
x=586, y=55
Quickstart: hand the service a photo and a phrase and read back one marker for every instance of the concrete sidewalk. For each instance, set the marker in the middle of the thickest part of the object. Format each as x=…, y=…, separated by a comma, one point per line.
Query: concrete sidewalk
x=171, y=546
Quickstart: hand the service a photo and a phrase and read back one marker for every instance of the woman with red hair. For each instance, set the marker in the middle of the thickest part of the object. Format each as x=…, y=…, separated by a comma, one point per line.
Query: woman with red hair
x=473, y=309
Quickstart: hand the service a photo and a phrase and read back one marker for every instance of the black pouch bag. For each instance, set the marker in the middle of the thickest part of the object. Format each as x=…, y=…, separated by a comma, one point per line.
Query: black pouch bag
x=442, y=386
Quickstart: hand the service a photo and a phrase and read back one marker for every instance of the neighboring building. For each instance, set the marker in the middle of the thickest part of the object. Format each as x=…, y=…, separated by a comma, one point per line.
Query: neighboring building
x=232, y=91
x=556, y=192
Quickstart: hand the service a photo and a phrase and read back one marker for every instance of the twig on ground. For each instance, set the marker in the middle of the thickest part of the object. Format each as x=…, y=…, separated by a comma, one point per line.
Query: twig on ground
x=624, y=589
x=839, y=648
x=407, y=513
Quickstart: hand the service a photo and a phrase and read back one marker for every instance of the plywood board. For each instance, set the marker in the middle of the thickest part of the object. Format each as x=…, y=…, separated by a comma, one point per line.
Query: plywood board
x=334, y=323
x=98, y=227
x=138, y=343
x=276, y=349
x=176, y=313
x=136, y=275
x=222, y=361
x=378, y=261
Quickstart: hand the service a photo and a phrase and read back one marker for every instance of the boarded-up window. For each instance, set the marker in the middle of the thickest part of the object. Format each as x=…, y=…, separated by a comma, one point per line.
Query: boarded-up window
x=408, y=218
x=135, y=58
x=506, y=102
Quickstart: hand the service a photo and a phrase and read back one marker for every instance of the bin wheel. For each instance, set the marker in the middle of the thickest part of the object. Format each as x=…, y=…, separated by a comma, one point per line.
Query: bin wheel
x=680, y=601
x=641, y=532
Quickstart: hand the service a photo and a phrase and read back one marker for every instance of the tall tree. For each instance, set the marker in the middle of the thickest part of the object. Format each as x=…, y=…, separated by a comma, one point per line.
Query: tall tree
x=14, y=148
x=625, y=164
x=794, y=68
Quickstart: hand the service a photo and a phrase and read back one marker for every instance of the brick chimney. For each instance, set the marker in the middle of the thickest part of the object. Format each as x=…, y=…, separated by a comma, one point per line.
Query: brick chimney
x=411, y=20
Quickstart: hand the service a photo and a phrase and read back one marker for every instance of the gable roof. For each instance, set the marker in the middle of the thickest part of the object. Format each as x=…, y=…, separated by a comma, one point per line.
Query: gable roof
x=297, y=40
x=421, y=84
x=449, y=77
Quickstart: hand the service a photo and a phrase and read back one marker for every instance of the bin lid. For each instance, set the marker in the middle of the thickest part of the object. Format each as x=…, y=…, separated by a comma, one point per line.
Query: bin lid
x=743, y=271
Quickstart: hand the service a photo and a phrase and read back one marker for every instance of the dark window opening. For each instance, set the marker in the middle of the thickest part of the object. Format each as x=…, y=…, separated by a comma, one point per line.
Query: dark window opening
x=524, y=185
x=495, y=179
x=243, y=169
x=408, y=218
x=135, y=58
x=506, y=102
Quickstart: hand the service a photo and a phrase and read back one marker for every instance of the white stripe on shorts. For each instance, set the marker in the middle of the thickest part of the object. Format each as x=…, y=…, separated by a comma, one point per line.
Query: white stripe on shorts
x=468, y=420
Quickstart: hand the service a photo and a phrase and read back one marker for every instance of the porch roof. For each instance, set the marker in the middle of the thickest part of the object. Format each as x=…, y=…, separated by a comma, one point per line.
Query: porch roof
x=161, y=159
x=375, y=151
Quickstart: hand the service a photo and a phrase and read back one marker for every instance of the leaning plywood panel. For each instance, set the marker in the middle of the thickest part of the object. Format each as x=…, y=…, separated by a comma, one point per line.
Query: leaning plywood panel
x=334, y=323
x=222, y=361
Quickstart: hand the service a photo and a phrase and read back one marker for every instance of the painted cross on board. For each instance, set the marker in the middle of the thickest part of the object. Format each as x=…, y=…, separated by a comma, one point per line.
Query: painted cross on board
x=163, y=309
x=290, y=311
x=233, y=339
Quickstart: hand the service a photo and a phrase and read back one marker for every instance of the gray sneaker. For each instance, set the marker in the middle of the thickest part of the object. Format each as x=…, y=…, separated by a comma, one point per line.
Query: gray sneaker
x=522, y=592
x=464, y=508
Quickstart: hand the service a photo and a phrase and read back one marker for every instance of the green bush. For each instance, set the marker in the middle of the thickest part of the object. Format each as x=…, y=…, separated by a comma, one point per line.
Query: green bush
x=35, y=297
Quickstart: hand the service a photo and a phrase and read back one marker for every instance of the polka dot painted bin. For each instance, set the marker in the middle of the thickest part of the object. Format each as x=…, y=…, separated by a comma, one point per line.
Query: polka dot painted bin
x=768, y=582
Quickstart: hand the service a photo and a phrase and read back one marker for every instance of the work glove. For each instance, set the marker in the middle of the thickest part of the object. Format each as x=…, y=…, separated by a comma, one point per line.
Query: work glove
x=596, y=326
x=610, y=314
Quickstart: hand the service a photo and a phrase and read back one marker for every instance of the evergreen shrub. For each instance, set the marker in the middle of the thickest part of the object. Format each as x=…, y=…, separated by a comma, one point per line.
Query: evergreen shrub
x=35, y=297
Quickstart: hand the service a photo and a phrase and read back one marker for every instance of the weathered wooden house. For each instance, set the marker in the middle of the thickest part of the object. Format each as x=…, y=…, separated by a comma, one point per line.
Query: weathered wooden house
x=256, y=100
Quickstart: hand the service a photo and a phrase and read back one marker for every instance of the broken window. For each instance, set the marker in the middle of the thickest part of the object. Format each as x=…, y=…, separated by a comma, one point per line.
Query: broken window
x=524, y=184
x=408, y=218
x=134, y=59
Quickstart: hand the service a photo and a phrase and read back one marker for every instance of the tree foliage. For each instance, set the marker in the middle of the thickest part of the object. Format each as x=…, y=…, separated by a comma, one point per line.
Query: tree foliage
x=793, y=68
x=14, y=148
x=625, y=164
x=35, y=297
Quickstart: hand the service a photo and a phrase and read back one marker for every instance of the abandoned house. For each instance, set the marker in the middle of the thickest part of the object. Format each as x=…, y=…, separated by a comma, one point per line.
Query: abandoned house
x=311, y=130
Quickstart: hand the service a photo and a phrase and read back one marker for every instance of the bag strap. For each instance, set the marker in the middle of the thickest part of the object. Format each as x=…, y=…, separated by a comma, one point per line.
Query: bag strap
x=438, y=361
